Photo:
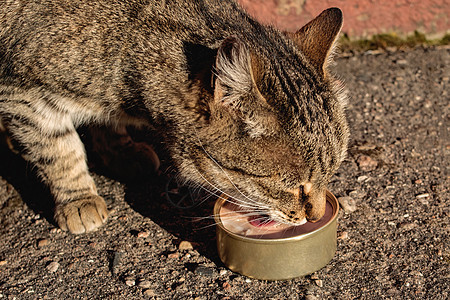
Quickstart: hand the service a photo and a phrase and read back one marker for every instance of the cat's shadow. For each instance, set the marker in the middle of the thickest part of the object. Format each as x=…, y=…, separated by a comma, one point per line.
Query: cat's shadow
x=15, y=170
x=156, y=200
x=147, y=197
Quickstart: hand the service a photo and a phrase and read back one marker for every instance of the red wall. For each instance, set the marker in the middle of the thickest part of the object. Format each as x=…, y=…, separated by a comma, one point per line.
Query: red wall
x=362, y=18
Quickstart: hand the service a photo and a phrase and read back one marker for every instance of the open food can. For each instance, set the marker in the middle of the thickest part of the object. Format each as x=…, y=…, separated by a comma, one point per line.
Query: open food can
x=271, y=253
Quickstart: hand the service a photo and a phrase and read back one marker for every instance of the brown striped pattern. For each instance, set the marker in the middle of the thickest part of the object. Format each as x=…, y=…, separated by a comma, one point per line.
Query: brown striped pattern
x=47, y=139
x=242, y=108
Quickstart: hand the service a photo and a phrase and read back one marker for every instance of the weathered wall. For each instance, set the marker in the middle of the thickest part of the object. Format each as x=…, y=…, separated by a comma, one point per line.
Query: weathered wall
x=362, y=18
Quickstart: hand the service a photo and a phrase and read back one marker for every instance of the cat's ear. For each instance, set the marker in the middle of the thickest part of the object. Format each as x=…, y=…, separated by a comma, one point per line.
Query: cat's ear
x=233, y=72
x=238, y=72
x=317, y=38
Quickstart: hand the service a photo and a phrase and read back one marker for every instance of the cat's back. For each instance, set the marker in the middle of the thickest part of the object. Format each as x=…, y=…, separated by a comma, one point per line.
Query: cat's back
x=44, y=39
x=53, y=38
x=77, y=21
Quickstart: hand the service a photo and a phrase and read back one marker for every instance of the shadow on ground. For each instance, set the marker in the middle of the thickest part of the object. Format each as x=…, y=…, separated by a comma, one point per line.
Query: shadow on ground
x=23, y=178
x=188, y=220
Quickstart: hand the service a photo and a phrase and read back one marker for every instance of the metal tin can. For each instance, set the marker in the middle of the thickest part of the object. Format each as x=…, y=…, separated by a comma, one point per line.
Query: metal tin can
x=277, y=259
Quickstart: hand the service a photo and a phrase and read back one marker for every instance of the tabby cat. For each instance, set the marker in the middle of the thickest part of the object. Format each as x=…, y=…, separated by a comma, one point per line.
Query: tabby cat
x=243, y=108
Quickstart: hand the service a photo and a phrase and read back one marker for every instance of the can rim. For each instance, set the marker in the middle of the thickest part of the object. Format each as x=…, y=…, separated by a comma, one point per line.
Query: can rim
x=222, y=198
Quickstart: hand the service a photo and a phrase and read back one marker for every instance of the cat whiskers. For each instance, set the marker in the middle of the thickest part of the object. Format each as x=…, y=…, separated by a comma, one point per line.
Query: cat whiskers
x=228, y=216
x=242, y=214
x=195, y=187
x=248, y=203
x=230, y=198
x=217, y=191
x=245, y=209
x=248, y=200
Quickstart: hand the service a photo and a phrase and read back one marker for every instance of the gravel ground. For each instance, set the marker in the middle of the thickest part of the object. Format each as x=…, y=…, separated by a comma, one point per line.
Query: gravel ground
x=393, y=233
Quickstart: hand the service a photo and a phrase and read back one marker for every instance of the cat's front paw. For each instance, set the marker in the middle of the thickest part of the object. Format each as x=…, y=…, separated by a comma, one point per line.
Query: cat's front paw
x=83, y=215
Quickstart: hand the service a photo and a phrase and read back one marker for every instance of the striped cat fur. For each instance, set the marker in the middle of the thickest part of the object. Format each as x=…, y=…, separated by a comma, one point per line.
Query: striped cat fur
x=243, y=108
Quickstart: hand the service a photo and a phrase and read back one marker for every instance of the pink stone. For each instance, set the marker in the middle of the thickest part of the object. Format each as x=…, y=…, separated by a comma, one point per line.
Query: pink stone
x=366, y=163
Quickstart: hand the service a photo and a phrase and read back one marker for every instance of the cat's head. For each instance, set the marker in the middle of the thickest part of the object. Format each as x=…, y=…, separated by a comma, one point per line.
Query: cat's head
x=276, y=130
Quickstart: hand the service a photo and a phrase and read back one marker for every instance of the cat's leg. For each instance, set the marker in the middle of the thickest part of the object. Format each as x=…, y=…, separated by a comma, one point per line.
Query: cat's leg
x=5, y=138
x=120, y=154
x=46, y=137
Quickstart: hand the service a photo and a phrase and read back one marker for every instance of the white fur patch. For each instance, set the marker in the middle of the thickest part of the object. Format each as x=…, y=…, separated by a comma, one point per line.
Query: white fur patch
x=340, y=91
x=254, y=128
x=234, y=73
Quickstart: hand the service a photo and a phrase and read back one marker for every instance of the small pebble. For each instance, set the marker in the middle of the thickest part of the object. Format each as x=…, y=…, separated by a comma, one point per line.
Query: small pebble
x=343, y=235
x=310, y=297
x=173, y=255
x=362, y=178
x=248, y=280
x=367, y=147
x=407, y=226
x=116, y=261
x=353, y=194
x=424, y=201
x=366, y=163
x=145, y=284
x=318, y=282
x=42, y=242
x=38, y=221
x=206, y=271
x=416, y=273
x=185, y=245
x=130, y=282
x=55, y=230
x=426, y=195
x=150, y=293
x=53, y=267
x=348, y=204
x=223, y=272
x=143, y=234
x=226, y=285
x=3, y=262
x=392, y=291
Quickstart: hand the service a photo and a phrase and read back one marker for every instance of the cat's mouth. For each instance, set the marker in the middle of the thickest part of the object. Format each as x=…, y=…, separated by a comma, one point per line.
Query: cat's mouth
x=262, y=221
